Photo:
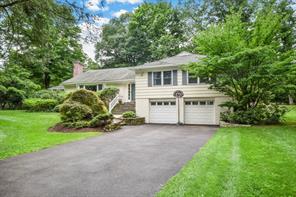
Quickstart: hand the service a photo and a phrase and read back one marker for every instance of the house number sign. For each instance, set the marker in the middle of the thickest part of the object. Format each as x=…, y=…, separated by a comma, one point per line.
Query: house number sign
x=178, y=94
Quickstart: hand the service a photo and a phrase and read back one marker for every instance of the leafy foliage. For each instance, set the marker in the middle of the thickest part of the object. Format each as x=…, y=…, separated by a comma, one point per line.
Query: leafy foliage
x=90, y=99
x=152, y=32
x=83, y=108
x=244, y=59
x=38, y=104
x=262, y=114
x=107, y=94
x=72, y=111
x=49, y=94
x=101, y=120
x=129, y=114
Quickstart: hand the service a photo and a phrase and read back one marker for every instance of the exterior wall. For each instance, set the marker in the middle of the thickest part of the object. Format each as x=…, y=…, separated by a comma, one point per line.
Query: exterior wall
x=145, y=93
x=123, y=89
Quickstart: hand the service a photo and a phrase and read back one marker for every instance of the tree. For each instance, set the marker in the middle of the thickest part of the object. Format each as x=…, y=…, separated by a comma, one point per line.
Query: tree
x=243, y=59
x=45, y=39
x=152, y=32
x=163, y=28
x=111, y=50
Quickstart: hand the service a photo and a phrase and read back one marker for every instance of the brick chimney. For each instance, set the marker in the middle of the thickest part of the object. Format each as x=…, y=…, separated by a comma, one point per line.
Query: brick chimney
x=77, y=68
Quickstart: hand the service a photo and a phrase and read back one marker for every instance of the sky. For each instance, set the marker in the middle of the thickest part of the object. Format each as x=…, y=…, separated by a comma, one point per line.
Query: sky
x=111, y=9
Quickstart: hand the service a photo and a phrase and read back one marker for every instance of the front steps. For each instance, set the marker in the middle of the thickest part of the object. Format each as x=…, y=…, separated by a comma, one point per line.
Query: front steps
x=123, y=107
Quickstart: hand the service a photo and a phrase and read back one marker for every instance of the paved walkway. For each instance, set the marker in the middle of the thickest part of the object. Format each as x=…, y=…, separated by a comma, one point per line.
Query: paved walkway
x=134, y=161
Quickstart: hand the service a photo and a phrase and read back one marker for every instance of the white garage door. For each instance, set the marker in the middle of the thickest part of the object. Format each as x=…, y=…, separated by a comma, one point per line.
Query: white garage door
x=164, y=111
x=199, y=112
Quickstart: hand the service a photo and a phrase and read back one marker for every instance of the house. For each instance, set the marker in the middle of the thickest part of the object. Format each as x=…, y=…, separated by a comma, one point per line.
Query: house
x=153, y=87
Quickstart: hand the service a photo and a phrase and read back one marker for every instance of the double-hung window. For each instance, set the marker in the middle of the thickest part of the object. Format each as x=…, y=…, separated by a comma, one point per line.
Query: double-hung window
x=192, y=79
x=156, y=78
x=167, y=77
x=162, y=78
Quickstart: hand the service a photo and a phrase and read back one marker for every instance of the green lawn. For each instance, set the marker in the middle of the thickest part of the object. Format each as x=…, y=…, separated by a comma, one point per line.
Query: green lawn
x=256, y=161
x=23, y=132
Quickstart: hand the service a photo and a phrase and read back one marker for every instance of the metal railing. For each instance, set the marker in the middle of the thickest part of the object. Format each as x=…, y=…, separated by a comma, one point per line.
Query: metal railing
x=114, y=102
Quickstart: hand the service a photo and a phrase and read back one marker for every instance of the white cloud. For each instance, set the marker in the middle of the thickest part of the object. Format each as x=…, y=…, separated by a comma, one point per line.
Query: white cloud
x=90, y=34
x=95, y=5
x=119, y=13
x=124, y=1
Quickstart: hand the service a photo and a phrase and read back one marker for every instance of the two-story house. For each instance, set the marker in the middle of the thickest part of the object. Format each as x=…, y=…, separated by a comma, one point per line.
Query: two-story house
x=152, y=87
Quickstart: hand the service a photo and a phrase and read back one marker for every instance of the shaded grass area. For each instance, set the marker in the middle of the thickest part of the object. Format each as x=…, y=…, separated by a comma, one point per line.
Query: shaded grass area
x=255, y=161
x=23, y=132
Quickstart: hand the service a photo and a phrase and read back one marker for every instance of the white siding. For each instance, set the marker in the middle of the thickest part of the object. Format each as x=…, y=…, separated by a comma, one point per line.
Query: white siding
x=144, y=93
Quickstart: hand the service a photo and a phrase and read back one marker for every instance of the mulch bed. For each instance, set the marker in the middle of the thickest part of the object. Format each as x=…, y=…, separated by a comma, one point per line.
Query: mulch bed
x=59, y=127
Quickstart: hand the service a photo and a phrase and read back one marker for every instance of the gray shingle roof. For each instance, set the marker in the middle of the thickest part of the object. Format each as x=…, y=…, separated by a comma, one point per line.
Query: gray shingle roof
x=103, y=75
x=128, y=74
x=180, y=59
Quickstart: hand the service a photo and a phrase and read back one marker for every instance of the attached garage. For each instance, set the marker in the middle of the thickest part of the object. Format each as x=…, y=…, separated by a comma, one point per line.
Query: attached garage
x=199, y=112
x=163, y=111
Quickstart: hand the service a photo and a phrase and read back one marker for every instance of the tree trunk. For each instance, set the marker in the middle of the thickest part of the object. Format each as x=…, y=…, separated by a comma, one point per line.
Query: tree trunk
x=46, y=80
x=291, y=101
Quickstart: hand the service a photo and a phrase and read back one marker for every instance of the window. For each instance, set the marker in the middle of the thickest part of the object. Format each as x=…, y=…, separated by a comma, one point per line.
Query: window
x=173, y=103
x=194, y=102
x=159, y=103
x=202, y=102
x=166, y=103
x=210, y=102
x=203, y=80
x=187, y=102
x=192, y=79
x=153, y=103
x=100, y=86
x=81, y=86
x=167, y=77
x=156, y=78
x=91, y=87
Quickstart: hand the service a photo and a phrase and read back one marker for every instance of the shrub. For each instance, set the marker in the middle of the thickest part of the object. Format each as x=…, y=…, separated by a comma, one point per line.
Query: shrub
x=3, y=96
x=37, y=104
x=112, y=127
x=49, y=94
x=101, y=120
x=72, y=111
x=262, y=114
x=14, y=97
x=77, y=125
x=90, y=99
x=129, y=114
x=107, y=94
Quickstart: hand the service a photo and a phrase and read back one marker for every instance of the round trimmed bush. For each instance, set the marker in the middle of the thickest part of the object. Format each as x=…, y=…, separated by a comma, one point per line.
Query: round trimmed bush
x=129, y=114
x=90, y=99
x=72, y=111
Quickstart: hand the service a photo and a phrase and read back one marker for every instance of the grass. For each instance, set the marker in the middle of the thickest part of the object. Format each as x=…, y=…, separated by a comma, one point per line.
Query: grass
x=255, y=161
x=23, y=132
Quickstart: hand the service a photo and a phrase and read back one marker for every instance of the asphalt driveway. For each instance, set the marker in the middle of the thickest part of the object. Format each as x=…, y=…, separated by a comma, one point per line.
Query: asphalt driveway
x=134, y=161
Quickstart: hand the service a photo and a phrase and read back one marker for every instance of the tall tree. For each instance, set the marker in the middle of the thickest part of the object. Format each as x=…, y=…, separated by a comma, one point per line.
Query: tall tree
x=152, y=32
x=244, y=59
x=42, y=37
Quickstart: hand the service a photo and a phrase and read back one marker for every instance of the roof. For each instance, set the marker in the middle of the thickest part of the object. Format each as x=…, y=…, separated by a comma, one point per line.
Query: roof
x=103, y=75
x=177, y=60
x=59, y=87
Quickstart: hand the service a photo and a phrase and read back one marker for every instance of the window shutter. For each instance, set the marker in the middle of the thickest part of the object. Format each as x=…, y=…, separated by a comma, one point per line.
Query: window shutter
x=184, y=77
x=175, y=77
x=149, y=79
